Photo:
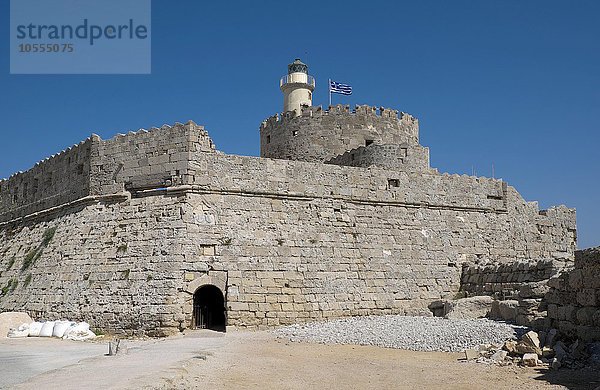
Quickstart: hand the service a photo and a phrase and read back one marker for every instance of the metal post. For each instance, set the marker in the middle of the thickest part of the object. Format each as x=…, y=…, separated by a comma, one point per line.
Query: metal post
x=329, y=89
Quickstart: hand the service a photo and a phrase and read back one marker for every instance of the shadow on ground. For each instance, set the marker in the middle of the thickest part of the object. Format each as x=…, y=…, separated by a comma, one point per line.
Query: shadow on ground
x=581, y=379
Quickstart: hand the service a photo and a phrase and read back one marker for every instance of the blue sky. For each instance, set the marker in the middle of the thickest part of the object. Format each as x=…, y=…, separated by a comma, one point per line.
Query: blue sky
x=511, y=83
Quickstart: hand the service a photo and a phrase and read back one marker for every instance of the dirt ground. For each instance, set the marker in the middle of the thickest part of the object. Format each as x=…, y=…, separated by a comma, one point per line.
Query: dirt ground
x=258, y=360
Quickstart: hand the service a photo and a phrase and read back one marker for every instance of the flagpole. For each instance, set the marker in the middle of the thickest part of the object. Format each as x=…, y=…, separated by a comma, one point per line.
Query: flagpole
x=329, y=89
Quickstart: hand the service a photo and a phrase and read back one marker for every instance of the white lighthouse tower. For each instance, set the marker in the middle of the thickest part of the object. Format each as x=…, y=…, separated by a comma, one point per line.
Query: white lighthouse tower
x=297, y=87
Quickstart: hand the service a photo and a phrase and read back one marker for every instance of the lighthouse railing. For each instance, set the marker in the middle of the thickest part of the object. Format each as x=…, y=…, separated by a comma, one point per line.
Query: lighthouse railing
x=291, y=79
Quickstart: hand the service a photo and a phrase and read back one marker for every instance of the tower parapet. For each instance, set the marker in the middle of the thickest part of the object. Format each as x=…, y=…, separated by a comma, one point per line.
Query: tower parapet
x=318, y=135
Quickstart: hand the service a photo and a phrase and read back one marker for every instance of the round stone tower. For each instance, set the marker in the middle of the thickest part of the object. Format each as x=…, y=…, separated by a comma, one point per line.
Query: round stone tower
x=297, y=87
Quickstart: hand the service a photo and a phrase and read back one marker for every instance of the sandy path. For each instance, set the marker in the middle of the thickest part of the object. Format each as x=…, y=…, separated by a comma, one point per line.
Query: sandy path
x=257, y=360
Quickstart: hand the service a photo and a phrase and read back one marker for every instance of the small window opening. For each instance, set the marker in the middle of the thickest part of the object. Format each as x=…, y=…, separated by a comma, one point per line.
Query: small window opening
x=368, y=142
x=295, y=133
x=393, y=183
x=268, y=139
x=352, y=157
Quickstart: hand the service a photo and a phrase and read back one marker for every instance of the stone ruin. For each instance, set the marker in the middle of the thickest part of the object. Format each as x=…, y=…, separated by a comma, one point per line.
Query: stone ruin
x=156, y=231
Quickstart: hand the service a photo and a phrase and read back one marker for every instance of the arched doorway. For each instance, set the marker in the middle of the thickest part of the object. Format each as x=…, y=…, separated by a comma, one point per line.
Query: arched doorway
x=209, y=308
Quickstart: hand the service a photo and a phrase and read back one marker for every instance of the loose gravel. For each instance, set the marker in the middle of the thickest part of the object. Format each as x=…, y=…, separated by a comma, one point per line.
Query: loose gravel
x=401, y=332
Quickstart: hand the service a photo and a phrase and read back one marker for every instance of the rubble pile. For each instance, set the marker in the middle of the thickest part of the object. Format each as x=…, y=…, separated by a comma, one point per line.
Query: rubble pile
x=538, y=349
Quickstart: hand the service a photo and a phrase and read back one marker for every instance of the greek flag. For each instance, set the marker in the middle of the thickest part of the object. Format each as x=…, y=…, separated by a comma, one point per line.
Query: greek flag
x=343, y=89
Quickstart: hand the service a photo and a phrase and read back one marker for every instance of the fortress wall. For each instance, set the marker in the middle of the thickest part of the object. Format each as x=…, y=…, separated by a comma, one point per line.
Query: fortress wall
x=530, y=233
x=300, y=179
x=318, y=135
x=59, y=179
x=405, y=157
x=574, y=298
x=288, y=240
x=148, y=159
x=300, y=243
x=116, y=266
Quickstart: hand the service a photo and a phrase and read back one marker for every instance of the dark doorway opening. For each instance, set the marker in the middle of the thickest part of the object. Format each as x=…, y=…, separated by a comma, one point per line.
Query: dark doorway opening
x=209, y=309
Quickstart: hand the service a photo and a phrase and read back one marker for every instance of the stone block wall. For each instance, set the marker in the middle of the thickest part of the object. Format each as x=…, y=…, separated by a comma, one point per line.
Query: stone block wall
x=405, y=157
x=574, y=298
x=286, y=241
x=158, y=158
x=505, y=280
x=115, y=265
x=317, y=135
x=60, y=179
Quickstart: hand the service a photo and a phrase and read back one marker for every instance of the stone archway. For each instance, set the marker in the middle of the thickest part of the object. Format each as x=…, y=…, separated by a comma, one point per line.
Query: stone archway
x=209, y=308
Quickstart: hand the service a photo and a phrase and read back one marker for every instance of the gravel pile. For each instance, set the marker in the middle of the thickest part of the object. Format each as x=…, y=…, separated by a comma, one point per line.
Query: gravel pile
x=401, y=332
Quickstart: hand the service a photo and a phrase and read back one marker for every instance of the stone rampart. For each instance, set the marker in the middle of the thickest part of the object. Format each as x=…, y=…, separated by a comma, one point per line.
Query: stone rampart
x=286, y=241
x=137, y=160
x=317, y=135
x=59, y=179
x=574, y=298
x=405, y=157
x=157, y=158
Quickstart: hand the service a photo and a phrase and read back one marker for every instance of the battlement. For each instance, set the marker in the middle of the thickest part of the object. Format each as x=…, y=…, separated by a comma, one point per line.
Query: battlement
x=317, y=111
x=158, y=157
x=403, y=157
x=318, y=135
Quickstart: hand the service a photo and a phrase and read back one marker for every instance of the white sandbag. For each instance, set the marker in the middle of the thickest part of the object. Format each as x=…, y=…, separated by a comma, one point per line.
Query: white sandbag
x=47, y=329
x=69, y=329
x=21, y=331
x=60, y=327
x=35, y=328
x=78, y=329
x=80, y=334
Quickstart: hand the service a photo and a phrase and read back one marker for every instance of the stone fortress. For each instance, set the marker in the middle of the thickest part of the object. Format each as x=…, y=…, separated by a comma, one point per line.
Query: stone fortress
x=153, y=232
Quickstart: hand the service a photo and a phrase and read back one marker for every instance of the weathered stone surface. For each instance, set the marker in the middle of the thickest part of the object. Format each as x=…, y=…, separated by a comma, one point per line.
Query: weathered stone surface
x=531, y=339
x=505, y=310
x=574, y=298
x=474, y=307
x=471, y=354
x=510, y=346
x=530, y=359
x=10, y=320
x=499, y=356
x=122, y=232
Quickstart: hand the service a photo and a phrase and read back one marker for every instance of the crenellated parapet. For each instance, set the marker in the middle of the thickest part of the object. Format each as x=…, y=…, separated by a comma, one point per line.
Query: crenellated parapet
x=318, y=135
x=58, y=179
x=154, y=158
x=390, y=156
